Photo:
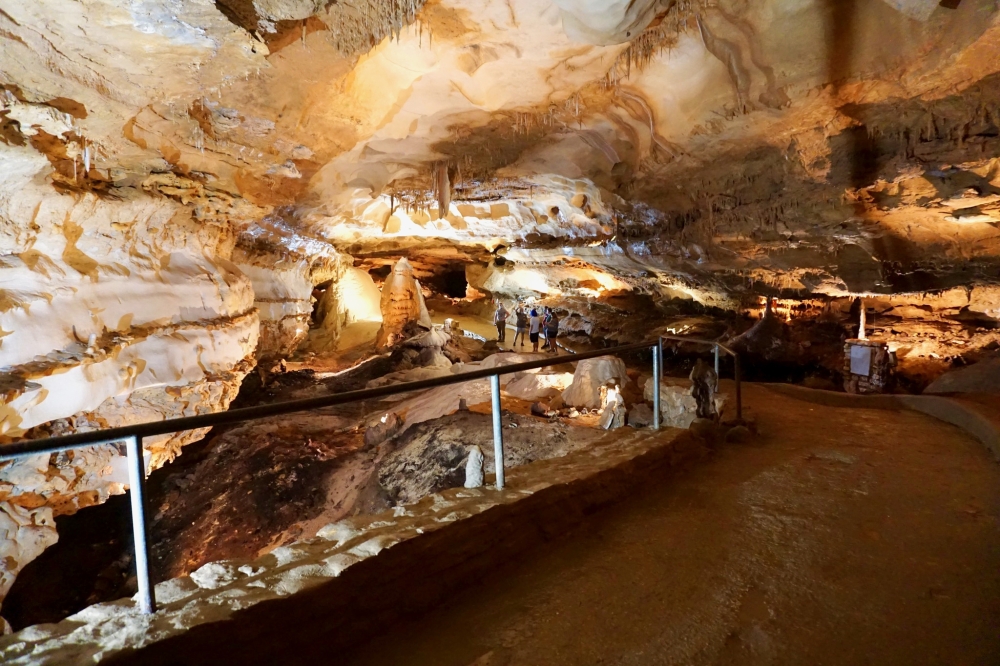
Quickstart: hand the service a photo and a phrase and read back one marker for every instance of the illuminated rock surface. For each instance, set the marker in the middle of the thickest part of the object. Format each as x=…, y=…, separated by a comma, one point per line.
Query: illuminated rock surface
x=192, y=190
x=402, y=302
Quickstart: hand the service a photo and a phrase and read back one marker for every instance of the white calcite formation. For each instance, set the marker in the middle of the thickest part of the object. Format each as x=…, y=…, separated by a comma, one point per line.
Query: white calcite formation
x=613, y=409
x=606, y=21
x=534, y=385
x=474, y=468
x=566, y=208
x=402, y=302
x=590, y=376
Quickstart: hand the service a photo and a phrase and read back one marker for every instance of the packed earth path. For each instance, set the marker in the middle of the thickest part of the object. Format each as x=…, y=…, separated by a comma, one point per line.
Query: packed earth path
x=836, y=536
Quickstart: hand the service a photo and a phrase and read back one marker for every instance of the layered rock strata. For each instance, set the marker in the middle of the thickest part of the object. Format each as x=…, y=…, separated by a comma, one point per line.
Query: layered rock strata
x=284, y=268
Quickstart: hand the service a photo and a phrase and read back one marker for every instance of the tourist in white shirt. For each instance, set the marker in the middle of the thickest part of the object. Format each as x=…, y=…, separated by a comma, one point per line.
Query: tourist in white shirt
x=534, y=326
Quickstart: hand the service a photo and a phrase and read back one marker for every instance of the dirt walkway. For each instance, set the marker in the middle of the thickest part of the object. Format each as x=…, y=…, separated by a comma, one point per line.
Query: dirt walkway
x=838, y=537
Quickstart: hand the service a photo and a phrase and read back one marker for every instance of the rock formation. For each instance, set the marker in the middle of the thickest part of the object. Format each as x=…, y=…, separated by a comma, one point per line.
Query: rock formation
x=352, y=300
x=704, y=386
x=612, y=409
x=283, y=269
x=474, y=468
x=678, y=407
x=590, y=376
x=178, y=177
x=402, y=302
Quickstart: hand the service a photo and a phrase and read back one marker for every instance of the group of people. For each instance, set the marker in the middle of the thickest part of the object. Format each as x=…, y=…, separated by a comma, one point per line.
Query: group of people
x=530, y=324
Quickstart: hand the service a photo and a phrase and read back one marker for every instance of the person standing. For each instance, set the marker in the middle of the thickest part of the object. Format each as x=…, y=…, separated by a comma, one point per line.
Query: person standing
x=552, y=332
x=500, y=319
x=521, y=323
x=534, y=326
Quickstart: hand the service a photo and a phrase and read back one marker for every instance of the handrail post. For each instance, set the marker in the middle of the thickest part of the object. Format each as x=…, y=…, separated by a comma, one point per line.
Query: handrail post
x=739, y=388
x=716, y=359
x=657, y=361
x=136, y=483
x=497, y=430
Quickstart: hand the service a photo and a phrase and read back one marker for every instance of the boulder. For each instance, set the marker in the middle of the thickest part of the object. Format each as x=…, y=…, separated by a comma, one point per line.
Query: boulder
x=738, y=435
x=535, y=386
x=433, y=357
x=678, y=408
x=386, y=428
x=707, y=429
x=640, y=416
x=982, y=377
x=423, y=466
x=590, y=375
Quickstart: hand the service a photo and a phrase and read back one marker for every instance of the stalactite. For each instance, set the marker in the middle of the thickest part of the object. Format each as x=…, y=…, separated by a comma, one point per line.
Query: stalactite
x=442, y=188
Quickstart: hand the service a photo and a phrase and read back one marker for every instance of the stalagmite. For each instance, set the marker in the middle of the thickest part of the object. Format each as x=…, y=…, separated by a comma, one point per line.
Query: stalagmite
x=474, y=468
x=402, y=302
x=704, y=386
x=442, y=188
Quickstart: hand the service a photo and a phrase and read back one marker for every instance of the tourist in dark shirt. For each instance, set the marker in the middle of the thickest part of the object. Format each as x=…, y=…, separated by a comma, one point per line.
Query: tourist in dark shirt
x=522, y=325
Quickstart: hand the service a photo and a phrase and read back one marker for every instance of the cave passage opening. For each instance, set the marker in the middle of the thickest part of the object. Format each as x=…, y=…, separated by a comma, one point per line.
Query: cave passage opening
x=451, y=283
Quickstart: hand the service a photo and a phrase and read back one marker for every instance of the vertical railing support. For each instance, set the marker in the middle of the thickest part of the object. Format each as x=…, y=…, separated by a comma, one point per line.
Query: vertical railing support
x=657, y=364
x=739, y=388
x=136, y=484
x=716, y=360
x=497, y=430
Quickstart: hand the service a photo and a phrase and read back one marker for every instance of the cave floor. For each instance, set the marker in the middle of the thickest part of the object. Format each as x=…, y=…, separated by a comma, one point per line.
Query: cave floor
x=836, y=536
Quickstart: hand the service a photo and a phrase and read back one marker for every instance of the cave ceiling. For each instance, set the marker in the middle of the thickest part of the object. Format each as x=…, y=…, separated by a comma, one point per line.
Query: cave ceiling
x=806, y=146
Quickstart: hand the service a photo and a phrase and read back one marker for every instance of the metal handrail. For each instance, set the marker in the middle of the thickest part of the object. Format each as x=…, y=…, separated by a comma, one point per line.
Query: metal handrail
x=132, y=435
